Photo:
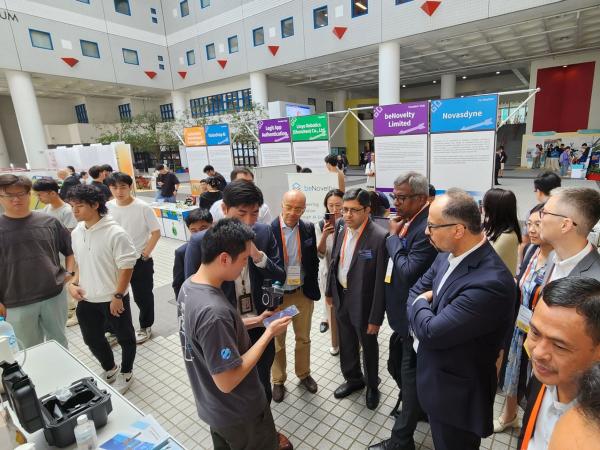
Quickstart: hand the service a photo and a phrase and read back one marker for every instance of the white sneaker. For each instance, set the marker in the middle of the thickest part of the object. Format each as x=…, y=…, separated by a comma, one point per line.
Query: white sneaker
x=142, y=335
x=334, y=351
x=110, y=375
x=111, y=338
x=123, y=382
x=72, y=321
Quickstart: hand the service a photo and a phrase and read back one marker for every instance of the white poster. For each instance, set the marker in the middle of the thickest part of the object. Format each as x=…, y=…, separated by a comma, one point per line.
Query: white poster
x=311, y=154
x=399, y=154
x=463, y=160
x=221, y=159
x=276, y=154
x=315, y=187
x=197, y=159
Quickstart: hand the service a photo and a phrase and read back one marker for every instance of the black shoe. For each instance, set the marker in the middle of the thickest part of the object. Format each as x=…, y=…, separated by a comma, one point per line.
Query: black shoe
x=372, y=398
x=323, y=327
x=278, y=393
x=384, y=445
x=310, y=384
x=424, y=418
x=348, y=388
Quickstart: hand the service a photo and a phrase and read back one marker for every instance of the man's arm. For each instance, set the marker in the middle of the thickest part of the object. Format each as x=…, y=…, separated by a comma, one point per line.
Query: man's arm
x=125, y=258
x=378, y=306
x=410, y=263
x=154, y=237
x=271, y=266
x=178, y=273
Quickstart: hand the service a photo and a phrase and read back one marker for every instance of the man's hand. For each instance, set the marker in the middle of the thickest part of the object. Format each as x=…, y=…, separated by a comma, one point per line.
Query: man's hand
x=266, y=313
x=373, y=329
x=329, y=301
x=279, y=326
x=328, y=229
x=396, y=225
x=77, y=292
x=428, y=296
x=255, y=254
x=116, y=307
x=2, y=310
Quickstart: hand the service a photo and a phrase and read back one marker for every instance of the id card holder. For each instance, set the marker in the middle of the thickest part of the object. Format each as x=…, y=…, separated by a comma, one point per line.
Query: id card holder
x=293, y=276
x=245, y=302
x=388, y=271
x=524, y=318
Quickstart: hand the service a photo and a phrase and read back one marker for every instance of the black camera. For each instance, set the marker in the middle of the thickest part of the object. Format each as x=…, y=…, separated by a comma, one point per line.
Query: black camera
x=272, y=294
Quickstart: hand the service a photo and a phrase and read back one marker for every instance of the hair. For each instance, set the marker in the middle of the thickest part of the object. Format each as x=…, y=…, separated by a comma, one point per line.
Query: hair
x=417, y=182
x=159, y=167
x=331, y=160
x=119, y=177
x=462, y=207
x=500, y=209
x=360, y=195
x=45, y=185
x=537, y=208
x=88, y=194
x=235, y=172
x=8, y=179
x=583, y=203
x=377, y=207
x=546, y=181
x=332, y=193
x=432, y=192
x=208, y=168
x=198, y=215
x=72, y=169
x=106, y=167
x=213, y=182
x=298, y=168
x=228, y=236
x=589, y=394
x=306, y=170
x=94, y=171
x=82, y=174
x=242, y=192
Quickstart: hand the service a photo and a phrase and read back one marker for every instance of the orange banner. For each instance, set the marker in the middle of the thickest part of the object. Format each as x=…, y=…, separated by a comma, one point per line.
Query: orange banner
x=194, y=137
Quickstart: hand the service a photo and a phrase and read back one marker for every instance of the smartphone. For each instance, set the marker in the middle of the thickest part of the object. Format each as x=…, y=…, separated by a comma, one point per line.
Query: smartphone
x=290, y=311
x=330, y=218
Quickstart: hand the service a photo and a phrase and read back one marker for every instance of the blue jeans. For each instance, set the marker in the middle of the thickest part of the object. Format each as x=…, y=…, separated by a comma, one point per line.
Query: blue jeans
x=171, y=199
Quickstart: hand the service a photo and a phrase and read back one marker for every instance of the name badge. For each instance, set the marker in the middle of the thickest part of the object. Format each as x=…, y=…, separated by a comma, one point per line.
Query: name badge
x=293, y=276
x=389, y=270
x=365, y=254
x=524, y=318
x=245, y=302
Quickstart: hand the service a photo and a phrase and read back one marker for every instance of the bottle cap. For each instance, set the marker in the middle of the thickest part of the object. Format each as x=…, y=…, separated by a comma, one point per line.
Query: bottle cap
x=82, y=419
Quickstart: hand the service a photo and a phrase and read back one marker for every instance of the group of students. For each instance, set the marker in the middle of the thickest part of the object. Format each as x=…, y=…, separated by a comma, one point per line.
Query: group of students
x=559, y=157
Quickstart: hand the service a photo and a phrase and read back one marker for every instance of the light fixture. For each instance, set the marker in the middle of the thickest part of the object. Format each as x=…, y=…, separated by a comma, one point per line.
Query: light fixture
x=403, y=85
x=434, y=81
x=565, y=67
x=464, y=77
x=498, y=72
x=360, y=5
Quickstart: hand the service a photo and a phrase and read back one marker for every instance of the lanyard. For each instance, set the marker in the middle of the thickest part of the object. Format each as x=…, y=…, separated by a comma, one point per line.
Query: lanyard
x=360, y=232
x=532, y=418
x=404, y=231
x=532, y=263
x=286, y=257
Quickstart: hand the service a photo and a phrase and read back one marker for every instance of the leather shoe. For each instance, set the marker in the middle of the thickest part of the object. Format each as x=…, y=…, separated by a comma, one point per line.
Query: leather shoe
x=323, y=327
x=384, y=445
x=348, y=388
x=284, y=443
x=278, y=392
x=310, y=384
x=372, y=398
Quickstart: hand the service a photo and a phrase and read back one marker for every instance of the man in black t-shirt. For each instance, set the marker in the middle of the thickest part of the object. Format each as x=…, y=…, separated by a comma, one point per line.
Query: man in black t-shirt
x=98, y=174
x=167, y=184
x=211, y=172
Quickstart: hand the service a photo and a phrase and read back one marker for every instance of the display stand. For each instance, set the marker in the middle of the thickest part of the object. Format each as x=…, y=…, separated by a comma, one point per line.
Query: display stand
x=275, y=141
x=219, y=148
x=310, y=136
x=315, y=186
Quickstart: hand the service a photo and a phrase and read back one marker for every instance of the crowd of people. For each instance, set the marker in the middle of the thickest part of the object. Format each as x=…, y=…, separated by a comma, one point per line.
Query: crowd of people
x=476, y=304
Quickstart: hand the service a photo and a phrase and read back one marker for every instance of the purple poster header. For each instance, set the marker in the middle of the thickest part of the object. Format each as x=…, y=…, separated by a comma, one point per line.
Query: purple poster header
x=274, y=130
x=405, y=118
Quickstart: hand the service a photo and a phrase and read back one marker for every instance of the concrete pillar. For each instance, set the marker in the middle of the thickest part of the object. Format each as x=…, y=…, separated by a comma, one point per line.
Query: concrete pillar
x=339, y=103
x=179, y=104
x=259, y=90
x=389, y=73
x=448, y=88
x=4, y=156
x=28, y=117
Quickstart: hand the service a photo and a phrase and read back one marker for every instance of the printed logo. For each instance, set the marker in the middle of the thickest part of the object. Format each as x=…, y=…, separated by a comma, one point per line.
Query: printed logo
x=297, y=186
x=225, y=353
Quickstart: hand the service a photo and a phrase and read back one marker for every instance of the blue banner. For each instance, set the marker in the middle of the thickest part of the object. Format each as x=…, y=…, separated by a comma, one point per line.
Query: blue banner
x=217, y=134
x=477, y=113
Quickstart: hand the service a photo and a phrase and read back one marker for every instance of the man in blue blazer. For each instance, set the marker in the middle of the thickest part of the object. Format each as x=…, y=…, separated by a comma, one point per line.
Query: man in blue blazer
x=460, y=311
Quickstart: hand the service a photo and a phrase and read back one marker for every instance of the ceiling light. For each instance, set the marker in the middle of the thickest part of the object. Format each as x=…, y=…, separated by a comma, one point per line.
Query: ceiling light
x=464, y=77
x=434, y=81
x=565, y=67
x=498, y=72
x=361, y=6
x=403, y=85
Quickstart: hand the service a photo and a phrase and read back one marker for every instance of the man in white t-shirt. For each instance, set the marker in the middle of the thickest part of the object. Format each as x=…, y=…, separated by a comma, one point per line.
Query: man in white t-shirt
x=140, y=223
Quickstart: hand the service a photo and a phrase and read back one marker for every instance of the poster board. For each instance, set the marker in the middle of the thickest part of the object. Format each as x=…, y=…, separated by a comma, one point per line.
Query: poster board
x=315, y=186
x=194, y=137
x=310, y=137
x=275, y=141
x=273, y=182
x=197, y=158
x=219, y=148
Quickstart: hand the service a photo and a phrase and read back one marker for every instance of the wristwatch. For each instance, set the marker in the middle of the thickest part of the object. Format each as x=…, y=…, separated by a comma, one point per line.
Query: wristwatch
x=118, y=296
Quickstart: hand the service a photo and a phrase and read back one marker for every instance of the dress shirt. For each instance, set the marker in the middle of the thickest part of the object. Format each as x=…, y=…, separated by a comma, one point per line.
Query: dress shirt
x=550, y=411
x=562, y=269
x=348, y=251
x=290, y=235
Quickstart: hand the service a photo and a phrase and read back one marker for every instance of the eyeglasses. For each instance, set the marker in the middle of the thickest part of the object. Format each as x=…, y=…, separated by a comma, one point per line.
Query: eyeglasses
x=15, y=195
x=351, y=211
x=289, y=208
x=543, y=212
x=402, y=198
x=432, y=226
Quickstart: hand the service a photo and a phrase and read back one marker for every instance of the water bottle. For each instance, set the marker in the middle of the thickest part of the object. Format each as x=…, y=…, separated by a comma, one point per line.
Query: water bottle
x=7, y=330
x=85, y=434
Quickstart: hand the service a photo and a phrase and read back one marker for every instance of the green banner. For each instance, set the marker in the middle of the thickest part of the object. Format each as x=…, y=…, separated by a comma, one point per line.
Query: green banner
x=309, y=128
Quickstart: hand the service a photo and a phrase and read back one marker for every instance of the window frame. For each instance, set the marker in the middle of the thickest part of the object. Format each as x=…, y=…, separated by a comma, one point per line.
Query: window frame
x=137, y=56
x=125, y=111
x=364, y=13
x=329, y=106
x=208, y=58
x=82, y=41
x=318, y=10
x=187, y=57
x=167, y=114
x=49, y=35
x=81, y=113
x=87, y=2
x=203, y=5
x=283, y=24
x=237, y=44
x=128, y=13
x=187, y=5
x=254, y=36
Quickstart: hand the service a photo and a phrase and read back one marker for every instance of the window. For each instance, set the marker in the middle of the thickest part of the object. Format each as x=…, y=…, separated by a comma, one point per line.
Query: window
x=184, y=7
x=399, y=2
x=312, y=102
x=166, y=112
x=328, y=106
x=232, y=42
x=154, y=20
x=161, y=66
x=204, y=3
x=131, y=57
x=41, y=39
x=191, y=57
x=287, y=27
x=89, y=48
x=258, y=36
x=87, y=2
x=210, y=52
x=125, y=112
x=320, y=17
x=122, y=7
x=152, y=10
x=359, y=7
x=160, y=58
x=218, y=104
x=81, y=113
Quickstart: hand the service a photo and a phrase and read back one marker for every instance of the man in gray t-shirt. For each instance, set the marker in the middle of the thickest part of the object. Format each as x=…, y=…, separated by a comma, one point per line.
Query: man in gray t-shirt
x=219, y=357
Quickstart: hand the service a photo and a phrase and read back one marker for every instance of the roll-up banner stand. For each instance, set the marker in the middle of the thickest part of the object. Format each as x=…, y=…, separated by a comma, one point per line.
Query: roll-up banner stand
x=400, y=142
x=219, y=148
x=310, y=137
x=463, y=141
x=197, y=155
x=275, y=140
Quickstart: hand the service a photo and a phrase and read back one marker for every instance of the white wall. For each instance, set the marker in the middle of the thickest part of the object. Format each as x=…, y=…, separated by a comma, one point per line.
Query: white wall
x=12, y=135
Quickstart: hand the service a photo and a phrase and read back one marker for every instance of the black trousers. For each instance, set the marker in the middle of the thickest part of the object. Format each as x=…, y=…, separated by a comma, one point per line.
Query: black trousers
x=255, y=433
x=265, y=362
x=142, y=284
x=406, y=421
x=93, y=319
x=447, y=437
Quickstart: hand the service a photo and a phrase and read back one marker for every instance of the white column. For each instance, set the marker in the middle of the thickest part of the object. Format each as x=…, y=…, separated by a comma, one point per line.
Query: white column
x=339, y=103
x=4, y=156
x=259, y=90
x=28, y=118
x=448, y=88
x=179, y=104
x=389, y=73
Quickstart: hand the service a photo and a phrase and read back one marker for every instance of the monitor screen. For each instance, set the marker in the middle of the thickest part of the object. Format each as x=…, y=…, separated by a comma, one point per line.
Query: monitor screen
x=294, y=110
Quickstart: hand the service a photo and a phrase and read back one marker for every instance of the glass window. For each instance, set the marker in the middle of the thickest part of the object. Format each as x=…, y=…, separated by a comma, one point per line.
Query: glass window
x=204, y=3
x=191, y=57
x=152, y=10
x=210, y=52
x=160, y=58
x=233, y=44
x=154, y=20
x=87, y=2
x=125, y=111
x=320, y=17
x=328, y=106
x=89, y=48
x=287, y=27
x=161, y=66
x=258, y=36
x=122, y=7
x=81, y=113
x=184, y=7
x=220, y=103
x=130, y=57
x=359, y=7
x=41, y=39
x=166, y=112
x=312, y=102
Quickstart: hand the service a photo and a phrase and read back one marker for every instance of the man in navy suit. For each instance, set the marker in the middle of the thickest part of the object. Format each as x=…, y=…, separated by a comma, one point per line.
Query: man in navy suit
x=297, y=246
x=460, y=312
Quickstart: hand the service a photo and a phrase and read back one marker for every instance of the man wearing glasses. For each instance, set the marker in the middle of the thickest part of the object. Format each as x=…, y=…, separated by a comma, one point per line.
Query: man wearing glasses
x=297, y=245
x=567, y=218
x=356, y=283
x=460, y=311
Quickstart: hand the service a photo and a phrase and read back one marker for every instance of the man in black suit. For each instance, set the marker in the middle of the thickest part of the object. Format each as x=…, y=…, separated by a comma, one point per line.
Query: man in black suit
x=297, y=246
x=411, y=255
x=460, y=312
x=563, y=342
x=356, y=284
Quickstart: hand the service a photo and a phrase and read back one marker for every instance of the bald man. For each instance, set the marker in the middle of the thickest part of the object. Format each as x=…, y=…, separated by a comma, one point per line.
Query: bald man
x=297, y=246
